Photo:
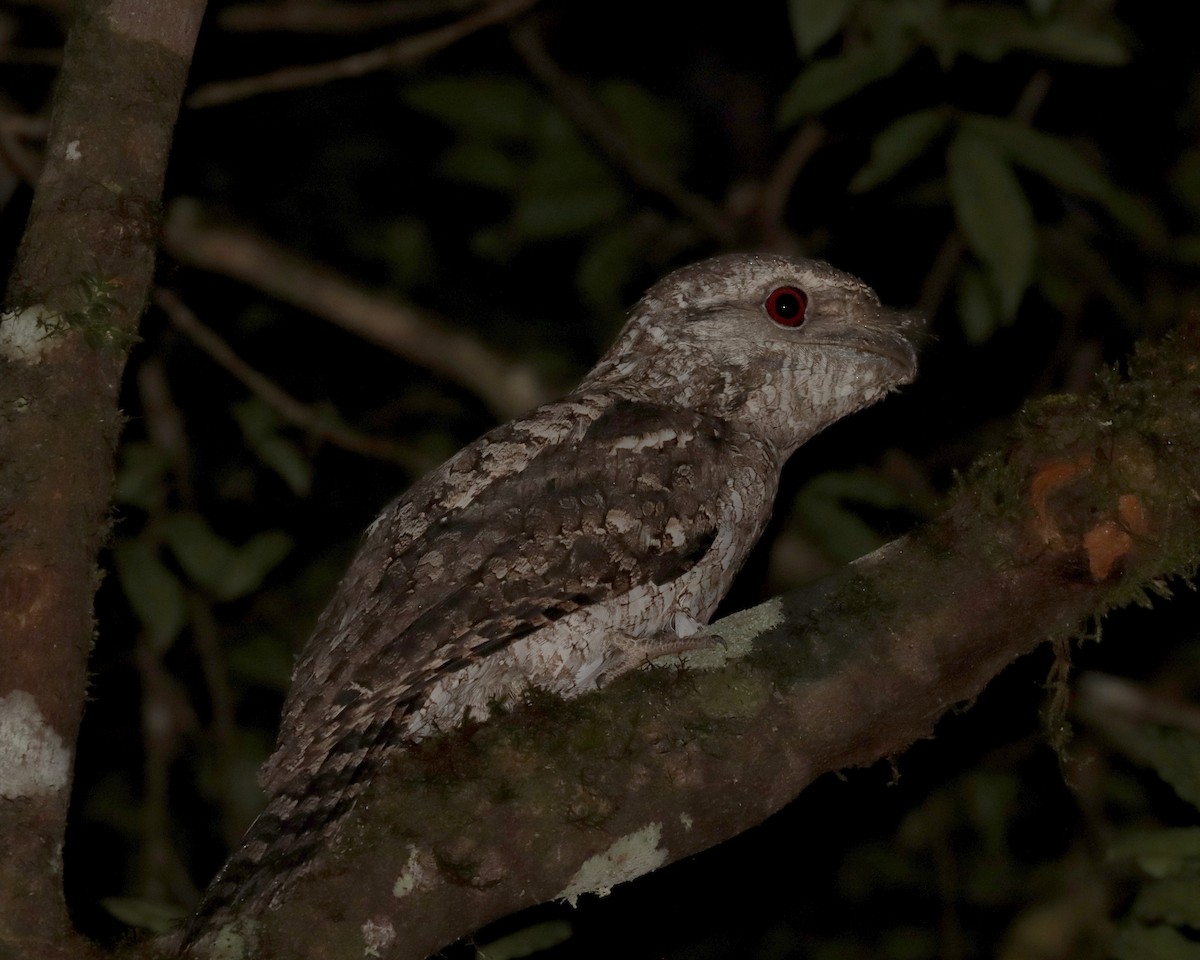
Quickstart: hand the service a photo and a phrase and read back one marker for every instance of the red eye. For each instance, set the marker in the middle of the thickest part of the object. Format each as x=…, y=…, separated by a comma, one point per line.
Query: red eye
x=786, y=306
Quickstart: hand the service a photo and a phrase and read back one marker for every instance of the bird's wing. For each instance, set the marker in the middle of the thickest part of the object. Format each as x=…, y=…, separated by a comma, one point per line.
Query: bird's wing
x=579, y=503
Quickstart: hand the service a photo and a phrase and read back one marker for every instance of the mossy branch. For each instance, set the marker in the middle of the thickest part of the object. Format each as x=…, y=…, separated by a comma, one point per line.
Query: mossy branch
x=1092, y=504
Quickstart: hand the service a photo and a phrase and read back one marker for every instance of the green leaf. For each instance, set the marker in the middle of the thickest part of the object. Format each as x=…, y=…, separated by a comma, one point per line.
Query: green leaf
x=565, y=189
x=1135, y=942
x=154, y=593
x=991, y=800
x=815, y=21
x=1137, y=216
x=1046, y=155
x=606, y=264
x=558, y=185
x=152, y=915
x=657, y=130
x=404, y=244
x=1062, y=291
x=840, y=533
x=898, y=145
x=1059, y=162
x=1185, y=178
x=479, y=107
x=1175, y=901
x=907, y=942
x=1175, y=756
x=140, y=477
x=994, y=215
x=1041, y=8
x=1187, y=249
x=261, y=554
x=260, y=428
x=991, y=33
x=1073, y=43
x=978, y=307
x=495, y=243
x=532, y=939
x=226, y=571
x=262, y=660
x=544, y=214
x=229, y=775
x=203, y=555
x=824, y=507
x=483, y=163
x=1160, y=853
x=826, y=83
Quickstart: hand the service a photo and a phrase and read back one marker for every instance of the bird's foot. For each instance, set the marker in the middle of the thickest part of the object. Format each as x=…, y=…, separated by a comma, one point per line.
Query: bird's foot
x=636, y=652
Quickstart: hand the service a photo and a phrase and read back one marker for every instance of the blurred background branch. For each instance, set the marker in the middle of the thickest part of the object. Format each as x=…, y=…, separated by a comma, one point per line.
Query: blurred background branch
x=483, y=204
x=406, y=53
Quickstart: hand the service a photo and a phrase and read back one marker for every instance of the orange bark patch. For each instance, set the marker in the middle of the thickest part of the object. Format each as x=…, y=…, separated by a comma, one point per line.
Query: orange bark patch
x=1105, y=544
x=1053, y=476
x=1132, y=513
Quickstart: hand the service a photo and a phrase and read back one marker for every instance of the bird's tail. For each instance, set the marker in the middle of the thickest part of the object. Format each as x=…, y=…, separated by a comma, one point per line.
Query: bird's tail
x=276, y=850
x=299, y=821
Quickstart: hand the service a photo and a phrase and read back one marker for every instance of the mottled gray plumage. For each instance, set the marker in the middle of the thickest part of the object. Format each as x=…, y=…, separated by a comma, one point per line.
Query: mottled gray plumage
x=570, y=545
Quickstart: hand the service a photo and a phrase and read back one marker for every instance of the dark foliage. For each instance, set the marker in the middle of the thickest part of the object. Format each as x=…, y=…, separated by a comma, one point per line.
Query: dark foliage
x=1026, y=174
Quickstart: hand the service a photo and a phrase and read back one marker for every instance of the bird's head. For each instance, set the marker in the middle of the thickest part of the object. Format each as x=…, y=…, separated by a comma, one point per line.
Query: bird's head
x=783, y=346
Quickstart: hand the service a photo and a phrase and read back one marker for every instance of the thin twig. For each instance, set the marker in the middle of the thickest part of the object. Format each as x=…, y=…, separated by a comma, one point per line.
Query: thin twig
x=165, y=717
x=779, y=185
x=1032, y=96
x=1112, y=702
x=24, y=125
x=56, y=8
x=278, y=399
x=338, y=18
x=508, y=387
x=941, y=274
x=167, y=713
x=405, y=53
x=22, y=161
x=15, y=128
x=599, y=126
x=206, y=640
x=32, y=56
x=164, y=422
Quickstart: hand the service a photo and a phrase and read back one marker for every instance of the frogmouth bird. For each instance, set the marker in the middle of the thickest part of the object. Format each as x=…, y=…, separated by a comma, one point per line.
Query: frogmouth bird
x=572, y=544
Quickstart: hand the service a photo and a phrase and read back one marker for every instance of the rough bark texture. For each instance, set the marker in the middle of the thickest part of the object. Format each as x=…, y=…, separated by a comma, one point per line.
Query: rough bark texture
x=80, y=283
x=1094, y=501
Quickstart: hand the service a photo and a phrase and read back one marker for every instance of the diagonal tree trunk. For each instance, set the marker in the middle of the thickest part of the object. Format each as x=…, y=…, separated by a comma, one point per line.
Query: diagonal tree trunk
x=73, y=303
x=1095, y=501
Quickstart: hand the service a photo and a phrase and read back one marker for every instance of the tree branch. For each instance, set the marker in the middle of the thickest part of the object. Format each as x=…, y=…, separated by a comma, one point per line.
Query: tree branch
x=508, y=387
x=278, y=399
x=322, y=16
x=593, y=120
x=1095, y=501
x=79, y=286
x=778, y=186
x=407, y=53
